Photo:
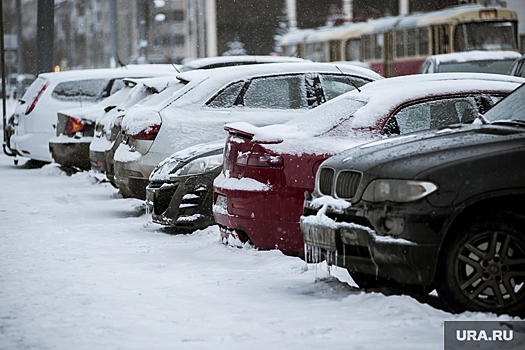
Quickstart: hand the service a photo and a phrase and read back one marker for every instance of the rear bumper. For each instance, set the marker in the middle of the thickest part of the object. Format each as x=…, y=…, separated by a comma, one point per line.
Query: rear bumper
x=74, y=154
x=269, y=219
x=98, y=161
x=32, y=145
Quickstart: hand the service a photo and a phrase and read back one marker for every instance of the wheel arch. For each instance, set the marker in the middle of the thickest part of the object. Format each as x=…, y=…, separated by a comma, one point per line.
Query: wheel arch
x=482, y=206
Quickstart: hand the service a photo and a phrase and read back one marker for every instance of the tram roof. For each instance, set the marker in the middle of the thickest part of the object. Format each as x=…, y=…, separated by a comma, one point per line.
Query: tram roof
x=384, y=24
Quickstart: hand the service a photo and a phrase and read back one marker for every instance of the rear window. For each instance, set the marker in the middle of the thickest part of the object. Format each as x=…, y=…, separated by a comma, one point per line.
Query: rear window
x=495, y=67
x=34, y=89
x=80, y=90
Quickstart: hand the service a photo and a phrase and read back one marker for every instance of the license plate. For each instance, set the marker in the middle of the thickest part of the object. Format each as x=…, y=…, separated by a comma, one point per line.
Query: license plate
x=318, y=236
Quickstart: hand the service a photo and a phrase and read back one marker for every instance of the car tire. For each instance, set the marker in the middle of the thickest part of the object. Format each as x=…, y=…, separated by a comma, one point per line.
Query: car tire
x=482, y=266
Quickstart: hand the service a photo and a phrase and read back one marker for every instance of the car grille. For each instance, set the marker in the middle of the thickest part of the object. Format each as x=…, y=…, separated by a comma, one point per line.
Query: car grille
x=347, y=184
x=163, y=198
x=326, y=179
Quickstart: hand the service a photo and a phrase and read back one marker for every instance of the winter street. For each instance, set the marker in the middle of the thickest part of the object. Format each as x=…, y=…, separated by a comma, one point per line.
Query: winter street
x=82, y=268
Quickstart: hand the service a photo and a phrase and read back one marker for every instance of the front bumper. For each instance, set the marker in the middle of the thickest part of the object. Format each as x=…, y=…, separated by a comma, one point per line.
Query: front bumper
x=184, y=203
x=75, y=153
x=359, y=240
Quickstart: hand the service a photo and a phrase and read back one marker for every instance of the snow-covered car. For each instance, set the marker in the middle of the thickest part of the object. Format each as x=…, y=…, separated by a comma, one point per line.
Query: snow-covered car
x=36, y=113
x=266, y=171
x=230, y=61
x=107, y=127
x=75, y=127
x=180, y=190
x=440, y=209
x=261, y=94
x=496, y=62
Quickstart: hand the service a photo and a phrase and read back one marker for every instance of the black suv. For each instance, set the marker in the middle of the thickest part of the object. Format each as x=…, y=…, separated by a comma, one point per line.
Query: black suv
x=439, y=209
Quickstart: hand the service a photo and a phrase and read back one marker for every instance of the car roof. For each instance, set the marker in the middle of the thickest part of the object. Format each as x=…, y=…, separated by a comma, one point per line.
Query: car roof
x=231, y=74
x=100, y=73
x=476, y=55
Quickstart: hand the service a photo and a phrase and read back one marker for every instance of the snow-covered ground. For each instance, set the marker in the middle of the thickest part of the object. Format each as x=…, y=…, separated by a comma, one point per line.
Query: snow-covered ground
x=83, y=268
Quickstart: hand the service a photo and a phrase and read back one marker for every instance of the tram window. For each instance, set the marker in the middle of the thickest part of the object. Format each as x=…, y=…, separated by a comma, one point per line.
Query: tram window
x=459, y=39
x=400, y=43
x=490, y=36
x=378, y=47
x=353, y=52
x=423, y=41
x=367, y=46
x=411, y=42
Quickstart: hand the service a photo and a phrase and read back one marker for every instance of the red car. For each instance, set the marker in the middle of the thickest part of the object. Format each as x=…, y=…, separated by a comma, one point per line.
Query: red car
x=259, y=195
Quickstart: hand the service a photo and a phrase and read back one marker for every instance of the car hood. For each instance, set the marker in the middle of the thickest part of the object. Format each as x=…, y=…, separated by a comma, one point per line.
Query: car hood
x=413, y=156
x=178, y=159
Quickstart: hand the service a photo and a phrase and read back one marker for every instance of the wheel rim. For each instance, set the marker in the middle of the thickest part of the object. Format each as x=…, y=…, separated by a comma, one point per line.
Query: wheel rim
x=490, y=269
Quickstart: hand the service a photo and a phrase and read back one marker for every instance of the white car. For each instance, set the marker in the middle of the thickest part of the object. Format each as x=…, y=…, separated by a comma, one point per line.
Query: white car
x=258, y=94
x=496, y=62
x=35, y=116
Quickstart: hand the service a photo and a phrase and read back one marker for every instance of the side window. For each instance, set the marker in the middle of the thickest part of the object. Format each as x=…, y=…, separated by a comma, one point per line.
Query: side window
x=520, y=72
x=433, y=114
x=226, y=98
x=288, y=92
x=335, y=85
x=85, y=90
x=424, y=68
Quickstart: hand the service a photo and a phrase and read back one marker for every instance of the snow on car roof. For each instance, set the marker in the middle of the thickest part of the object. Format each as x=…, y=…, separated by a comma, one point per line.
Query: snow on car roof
x=124, y=72
x=475, y=56
x=244, y=72
x=209, y=61
x=369, y=105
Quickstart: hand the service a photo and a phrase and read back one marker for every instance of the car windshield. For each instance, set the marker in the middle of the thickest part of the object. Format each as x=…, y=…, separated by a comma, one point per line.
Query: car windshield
x=511, y=107
x=495, y=67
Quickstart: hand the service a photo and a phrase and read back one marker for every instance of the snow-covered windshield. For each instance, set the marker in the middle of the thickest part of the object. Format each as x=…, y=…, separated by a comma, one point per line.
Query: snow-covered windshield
x=511, y=107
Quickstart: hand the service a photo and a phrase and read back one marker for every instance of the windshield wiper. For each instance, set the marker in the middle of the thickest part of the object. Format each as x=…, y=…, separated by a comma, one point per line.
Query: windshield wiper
x=513, y=122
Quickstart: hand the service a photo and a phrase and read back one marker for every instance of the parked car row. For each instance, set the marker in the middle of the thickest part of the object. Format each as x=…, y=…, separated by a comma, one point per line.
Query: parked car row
x=388, y=178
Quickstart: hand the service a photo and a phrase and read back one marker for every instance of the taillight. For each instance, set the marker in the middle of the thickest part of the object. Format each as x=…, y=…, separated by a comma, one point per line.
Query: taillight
x=73, y=125
x=32, y=106
x=148, y=133
x=260, y=160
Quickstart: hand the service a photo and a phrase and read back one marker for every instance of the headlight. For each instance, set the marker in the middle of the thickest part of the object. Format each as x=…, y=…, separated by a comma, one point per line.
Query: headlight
x=199, y=166
x=397, y=190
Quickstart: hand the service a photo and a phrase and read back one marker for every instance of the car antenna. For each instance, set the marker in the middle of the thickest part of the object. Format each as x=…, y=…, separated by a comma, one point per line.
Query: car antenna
x=351, y=82
x=175, y=67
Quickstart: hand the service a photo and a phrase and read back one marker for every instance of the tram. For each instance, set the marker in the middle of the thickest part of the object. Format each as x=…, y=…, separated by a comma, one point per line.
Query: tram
x=394, y=46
